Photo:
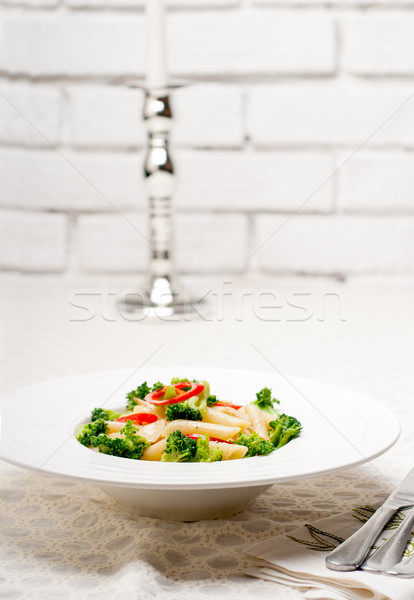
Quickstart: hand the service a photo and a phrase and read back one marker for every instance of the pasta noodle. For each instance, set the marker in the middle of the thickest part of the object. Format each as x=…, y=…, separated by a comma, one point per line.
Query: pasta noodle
x=214, y=415
x=257, y=420
x=230, y=451
x=154, y=452
x=214, y=429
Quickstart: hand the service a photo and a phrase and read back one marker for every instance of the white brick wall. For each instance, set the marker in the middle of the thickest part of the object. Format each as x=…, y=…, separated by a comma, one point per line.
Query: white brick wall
x=270, y=181
x=109, y=44
x=334, y=245
x=380, y=44
x=29, y=114
x=294, y=151
x=32, y=242
x=334, y=113
x=72, y=181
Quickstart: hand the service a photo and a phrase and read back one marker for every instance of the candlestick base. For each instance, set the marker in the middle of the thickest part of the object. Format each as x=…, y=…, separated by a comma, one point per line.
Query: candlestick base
x=162, y=299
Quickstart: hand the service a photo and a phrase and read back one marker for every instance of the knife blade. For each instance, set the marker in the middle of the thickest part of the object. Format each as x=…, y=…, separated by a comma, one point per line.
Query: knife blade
x=352, y=553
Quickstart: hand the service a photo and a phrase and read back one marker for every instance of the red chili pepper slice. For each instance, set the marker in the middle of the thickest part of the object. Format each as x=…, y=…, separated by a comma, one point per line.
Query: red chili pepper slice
x=195, y=436
x=195, y=389
x=229, y=404
x=141, y=418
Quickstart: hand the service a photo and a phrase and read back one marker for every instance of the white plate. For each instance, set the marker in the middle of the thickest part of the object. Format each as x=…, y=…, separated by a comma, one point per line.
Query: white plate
x=341, y=428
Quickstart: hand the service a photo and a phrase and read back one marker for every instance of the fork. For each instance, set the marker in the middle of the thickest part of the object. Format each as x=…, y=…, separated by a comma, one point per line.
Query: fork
x=387, y=557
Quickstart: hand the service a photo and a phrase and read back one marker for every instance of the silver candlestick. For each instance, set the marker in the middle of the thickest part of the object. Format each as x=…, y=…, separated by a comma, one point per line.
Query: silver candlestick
x=163, y=296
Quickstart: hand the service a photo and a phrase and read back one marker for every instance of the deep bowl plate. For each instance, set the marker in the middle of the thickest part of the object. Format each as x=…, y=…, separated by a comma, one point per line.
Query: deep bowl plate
x=341, y=428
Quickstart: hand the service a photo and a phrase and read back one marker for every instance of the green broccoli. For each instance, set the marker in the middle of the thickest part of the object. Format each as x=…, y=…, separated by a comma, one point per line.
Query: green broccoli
x=204, y=453
x=183, y=410
x=131, y=446
x=157, y=386
x=140, y=393
x=283, y=429
x=91, y=430
x=256, y=444
x=179, y=448
x=106, y=415
x=265, y=401
x=212, y=400
x=193, y=409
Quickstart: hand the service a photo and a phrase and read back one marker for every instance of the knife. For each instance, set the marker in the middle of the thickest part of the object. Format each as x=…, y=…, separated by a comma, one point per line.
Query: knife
x=352, y=553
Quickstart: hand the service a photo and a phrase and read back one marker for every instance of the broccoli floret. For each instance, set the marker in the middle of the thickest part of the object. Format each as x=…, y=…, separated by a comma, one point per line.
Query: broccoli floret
x=183, y=410
x=106, y=415
x=283, y=429
x=256, y=444
x=91, y=430
x=179, y=448
x=140, y=393
x=212, y=400
x=193, y=409
x=204, y=453
x=265, y=401
x=131, y=446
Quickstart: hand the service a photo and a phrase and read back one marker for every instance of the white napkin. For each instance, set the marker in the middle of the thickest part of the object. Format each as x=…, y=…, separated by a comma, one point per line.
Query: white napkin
x=297, y=559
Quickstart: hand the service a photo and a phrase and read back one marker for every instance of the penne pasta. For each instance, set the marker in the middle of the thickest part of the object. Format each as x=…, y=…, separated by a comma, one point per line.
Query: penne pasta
x=155, y=451
x=230, y=411
x=153, y=431
x=222, y=432
x=146, y=407
x=230, y=451
x=115, y=435
x=220, y=418
x=268, y=418
x=143, y=408
x=115, y=426
x=257, y=420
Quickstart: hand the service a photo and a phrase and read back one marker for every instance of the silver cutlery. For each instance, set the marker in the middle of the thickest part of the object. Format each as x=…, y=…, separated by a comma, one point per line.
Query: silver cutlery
x=389, y=555
x=352, y=553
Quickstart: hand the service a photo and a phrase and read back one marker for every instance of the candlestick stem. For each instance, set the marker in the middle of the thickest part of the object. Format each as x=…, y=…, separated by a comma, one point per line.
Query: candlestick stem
x=163, y=295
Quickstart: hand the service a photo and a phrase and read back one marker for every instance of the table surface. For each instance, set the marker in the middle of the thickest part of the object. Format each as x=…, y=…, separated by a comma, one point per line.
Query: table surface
x=64, y=539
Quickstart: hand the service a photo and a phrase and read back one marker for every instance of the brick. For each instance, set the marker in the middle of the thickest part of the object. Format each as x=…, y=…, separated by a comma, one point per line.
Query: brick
x=205, y=116
x=211, y=243
x=333, y=113
x=105, y=116
x=29, y=114
x=71, y=181
x=346, y=3
x=32, y=241
x=31, y=3
x=208, y=116
x=112, y=243
x=245, y=42
x=270, y=181
x=252, y=42
x=379, y=44
x=72, y=44
x=377, y=182
x=142, y=3
x=334, y=245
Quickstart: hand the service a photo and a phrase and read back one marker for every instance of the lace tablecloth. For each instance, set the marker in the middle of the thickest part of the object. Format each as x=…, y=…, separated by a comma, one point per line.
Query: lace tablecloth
x=62, y=539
